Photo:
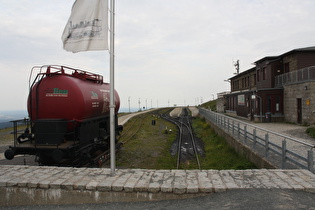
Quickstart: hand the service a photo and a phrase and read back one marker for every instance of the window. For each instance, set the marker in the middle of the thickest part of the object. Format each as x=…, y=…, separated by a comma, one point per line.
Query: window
x=257, y=75
x=268, y=104
x=286, y=68
x=277, y=103
x=264, y=73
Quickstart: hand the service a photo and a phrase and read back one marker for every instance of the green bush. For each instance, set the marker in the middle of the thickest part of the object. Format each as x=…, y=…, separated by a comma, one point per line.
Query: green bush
x=311, y=131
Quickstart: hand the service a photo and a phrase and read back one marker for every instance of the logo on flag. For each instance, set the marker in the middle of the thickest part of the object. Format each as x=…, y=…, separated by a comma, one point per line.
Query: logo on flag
x=87, y=27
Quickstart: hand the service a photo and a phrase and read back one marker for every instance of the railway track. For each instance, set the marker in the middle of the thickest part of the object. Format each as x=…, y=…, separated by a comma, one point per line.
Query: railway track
x=187, y=151
x=127, y=134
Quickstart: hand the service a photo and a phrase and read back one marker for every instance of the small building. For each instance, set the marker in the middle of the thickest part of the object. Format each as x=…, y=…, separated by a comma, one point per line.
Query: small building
x=221, y=102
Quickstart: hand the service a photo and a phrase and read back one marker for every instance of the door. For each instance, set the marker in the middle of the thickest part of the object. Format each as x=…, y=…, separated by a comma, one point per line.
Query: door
x=299, y=110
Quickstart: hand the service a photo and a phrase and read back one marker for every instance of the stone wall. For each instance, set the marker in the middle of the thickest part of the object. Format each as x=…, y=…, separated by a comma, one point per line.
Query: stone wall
x=221, y=104
x=306, y=92
x=292, y=61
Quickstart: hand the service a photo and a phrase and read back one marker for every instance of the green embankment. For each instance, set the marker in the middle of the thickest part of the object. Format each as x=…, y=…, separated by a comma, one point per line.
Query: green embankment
x=150, y=148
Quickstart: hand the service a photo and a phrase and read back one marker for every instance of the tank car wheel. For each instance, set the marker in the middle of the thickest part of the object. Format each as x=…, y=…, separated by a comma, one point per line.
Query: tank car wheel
x=9, y=154
x=57, y=155
x=44, y=158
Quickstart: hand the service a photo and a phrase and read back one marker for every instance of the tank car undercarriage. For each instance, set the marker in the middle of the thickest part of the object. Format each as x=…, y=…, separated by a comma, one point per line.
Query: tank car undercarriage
x=52, y=144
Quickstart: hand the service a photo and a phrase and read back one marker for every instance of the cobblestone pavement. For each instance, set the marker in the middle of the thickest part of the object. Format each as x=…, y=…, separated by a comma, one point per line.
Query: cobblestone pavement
x=133, y=180
x=156, y=182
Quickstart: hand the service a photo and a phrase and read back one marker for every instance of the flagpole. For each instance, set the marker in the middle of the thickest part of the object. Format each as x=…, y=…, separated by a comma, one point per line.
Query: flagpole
x=112, y=89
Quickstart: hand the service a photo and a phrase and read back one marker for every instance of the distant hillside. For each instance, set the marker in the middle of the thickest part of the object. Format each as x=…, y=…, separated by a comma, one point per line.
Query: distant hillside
x=210, y=105
x=6, y=125
x=7, y=116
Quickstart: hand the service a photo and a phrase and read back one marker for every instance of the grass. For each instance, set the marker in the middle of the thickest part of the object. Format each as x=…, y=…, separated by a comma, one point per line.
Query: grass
x=6, y=138
x=218, y=154
x=311, y=131
x=150, y=148
x=210, y=105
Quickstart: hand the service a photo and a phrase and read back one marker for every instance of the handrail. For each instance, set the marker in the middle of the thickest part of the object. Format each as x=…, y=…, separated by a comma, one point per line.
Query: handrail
x=297, y=76
x=301, y=155
x=268, y=131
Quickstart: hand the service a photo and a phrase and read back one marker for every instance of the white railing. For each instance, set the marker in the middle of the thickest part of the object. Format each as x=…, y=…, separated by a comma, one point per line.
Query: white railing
x=283, y=151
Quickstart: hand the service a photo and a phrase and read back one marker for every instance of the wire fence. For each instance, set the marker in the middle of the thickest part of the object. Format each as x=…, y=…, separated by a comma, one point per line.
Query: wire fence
x=282, y=151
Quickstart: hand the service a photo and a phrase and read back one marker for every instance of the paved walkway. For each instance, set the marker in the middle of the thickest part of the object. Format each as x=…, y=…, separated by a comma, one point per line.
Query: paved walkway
x=125, y=118
x=176, y=112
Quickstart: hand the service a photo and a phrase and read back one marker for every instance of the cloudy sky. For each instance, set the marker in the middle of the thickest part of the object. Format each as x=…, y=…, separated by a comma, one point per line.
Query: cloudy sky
x=167, y=52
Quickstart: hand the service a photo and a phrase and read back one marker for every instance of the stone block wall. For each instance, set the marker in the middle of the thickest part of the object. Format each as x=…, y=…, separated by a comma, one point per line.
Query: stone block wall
x=221, y=104
x=306, y=92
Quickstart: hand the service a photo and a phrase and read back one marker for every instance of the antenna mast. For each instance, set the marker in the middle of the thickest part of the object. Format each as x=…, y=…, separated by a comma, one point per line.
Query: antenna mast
x=237, y=67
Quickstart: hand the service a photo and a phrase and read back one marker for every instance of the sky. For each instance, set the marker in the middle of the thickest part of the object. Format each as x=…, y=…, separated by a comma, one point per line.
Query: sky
x=167, y=52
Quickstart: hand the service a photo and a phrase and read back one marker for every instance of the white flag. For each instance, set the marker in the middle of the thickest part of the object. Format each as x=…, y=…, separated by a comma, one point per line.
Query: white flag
x=87, y=27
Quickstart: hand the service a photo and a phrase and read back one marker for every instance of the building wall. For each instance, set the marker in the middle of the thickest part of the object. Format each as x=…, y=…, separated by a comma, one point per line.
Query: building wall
x=291, y=60
x=221, y=104
x=291, y=95
x=299, y=60
x=244, y=81
x=266, y=71
x=305, y=60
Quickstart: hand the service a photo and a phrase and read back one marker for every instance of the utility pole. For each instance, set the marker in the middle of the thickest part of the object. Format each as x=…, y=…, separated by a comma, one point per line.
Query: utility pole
x=129, y=103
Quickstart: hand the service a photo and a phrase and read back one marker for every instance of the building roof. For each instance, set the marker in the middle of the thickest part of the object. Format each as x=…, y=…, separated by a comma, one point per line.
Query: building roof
x=274, y=58
x=305, y=49
x=243, y=73
x=270, y=58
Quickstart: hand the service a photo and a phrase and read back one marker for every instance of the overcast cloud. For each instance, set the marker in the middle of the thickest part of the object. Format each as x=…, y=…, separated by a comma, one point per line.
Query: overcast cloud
x=167, y=52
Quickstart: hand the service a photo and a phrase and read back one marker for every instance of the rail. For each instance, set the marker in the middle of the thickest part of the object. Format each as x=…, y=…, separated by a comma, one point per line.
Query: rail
x=283, y=151
x=185, y=139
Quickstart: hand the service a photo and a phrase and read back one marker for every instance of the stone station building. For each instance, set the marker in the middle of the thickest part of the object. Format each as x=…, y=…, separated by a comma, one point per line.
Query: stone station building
x=278, y=88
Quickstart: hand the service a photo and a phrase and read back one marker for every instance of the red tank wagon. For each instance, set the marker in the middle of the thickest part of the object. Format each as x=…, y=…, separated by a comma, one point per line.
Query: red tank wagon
x=69, y=116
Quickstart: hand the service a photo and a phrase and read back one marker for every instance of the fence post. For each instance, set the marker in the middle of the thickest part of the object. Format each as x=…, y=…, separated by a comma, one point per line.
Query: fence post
x=284, y=153
x=238, y=130
x=228, y=125
x=310, y=162
x=254, y=138
x=233, y=128
x=245, y=133
x=224, y=123
x=266, y=144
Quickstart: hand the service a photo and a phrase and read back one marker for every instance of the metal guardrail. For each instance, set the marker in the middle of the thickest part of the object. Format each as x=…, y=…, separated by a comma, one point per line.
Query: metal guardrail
x=298, y=76
x=283, y=151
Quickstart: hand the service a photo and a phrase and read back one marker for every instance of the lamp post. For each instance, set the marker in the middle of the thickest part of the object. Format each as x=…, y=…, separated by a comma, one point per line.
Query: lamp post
x=260, y=105
x=129, y=103
x=139, y=104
